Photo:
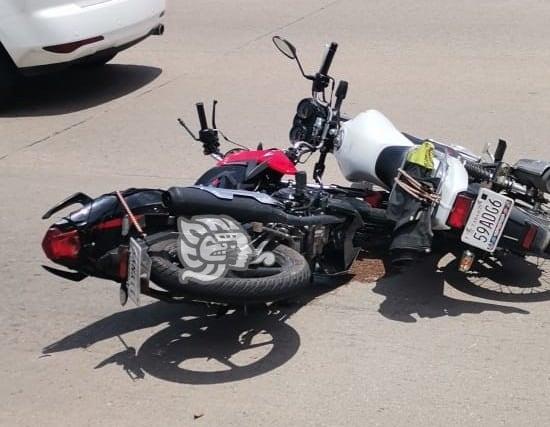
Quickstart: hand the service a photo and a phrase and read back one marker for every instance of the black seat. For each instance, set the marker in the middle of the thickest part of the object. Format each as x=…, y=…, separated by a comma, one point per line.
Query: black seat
x=389, y=161
x=533, y=173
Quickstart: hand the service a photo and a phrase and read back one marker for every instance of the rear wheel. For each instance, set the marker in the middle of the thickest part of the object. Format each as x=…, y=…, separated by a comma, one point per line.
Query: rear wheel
x=506, y=278
x=289, y=275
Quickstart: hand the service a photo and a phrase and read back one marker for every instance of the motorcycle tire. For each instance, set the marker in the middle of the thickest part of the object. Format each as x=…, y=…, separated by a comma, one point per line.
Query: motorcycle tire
x=247, y=287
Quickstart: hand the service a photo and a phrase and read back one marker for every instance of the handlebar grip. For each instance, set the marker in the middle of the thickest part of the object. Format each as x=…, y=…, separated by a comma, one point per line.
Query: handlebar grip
x=341, y=92
x=327, y=61
x=202, y=115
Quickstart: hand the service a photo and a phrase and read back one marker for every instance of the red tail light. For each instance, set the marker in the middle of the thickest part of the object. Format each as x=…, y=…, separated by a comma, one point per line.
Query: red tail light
x=71, y=47
x=529, y=237
x=60, y=246
x=123, y=256
x=460, y=211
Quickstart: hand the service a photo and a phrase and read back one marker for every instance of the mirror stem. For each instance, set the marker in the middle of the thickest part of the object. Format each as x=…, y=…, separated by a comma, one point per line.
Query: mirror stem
x=302, y=70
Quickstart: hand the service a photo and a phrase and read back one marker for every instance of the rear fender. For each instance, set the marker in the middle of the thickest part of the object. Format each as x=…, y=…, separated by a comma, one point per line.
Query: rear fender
x=99, y=225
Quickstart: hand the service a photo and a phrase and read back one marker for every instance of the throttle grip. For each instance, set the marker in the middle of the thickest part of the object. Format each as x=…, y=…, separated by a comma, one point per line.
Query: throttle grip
x=202, y=115
x=327, y=61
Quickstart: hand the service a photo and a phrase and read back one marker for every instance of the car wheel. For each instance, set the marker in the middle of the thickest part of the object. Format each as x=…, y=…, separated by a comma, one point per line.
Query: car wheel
x=8, y=78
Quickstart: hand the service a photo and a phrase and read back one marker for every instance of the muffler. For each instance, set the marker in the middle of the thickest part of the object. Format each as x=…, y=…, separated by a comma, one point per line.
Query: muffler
x=244, y=206
x=158, y=31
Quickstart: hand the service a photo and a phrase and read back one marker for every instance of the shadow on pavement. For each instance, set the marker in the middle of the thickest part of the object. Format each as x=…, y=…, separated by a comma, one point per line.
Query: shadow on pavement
x=198, y=346
x=420, y=291
x=77, y=89
x=512, y=279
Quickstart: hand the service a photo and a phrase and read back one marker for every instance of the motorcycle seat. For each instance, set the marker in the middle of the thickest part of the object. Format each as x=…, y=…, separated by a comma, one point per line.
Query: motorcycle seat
x=389, y=161
x=533, y=173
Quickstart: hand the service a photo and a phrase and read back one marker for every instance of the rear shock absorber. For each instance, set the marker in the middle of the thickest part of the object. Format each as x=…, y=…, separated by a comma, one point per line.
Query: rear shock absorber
x=501, y=181
x=478, y=171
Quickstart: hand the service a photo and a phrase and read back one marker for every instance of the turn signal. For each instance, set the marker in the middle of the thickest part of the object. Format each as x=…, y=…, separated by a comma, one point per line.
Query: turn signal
x=61, y=246
x=460, y=211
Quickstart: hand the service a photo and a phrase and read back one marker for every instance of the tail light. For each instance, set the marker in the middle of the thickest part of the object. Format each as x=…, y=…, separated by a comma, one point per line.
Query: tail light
x=71, y=47
x=61, y=246
x=460, y=211
x=529, y=237
x=123, y=258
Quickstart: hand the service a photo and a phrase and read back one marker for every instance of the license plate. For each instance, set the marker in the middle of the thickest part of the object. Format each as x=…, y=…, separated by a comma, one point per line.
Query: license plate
x=487, y=220
x=139, y=270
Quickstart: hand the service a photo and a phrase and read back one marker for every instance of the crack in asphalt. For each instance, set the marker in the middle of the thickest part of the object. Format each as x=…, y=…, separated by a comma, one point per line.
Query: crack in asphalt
x=282, y=27
x=154, y=88
x=247, y=43
x=47, y=138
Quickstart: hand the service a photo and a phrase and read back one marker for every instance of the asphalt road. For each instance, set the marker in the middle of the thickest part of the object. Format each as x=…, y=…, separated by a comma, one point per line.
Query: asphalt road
x=424, y=348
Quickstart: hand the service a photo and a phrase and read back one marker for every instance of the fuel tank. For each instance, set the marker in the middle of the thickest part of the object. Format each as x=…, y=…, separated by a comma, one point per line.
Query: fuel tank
x=361, y=141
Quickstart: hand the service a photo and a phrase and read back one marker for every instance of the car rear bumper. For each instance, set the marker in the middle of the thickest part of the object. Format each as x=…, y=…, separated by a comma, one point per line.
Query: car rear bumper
x=115, y=23
x=52, y=68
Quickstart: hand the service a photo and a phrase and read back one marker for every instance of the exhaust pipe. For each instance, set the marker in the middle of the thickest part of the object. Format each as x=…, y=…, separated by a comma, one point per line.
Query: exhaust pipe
x=158, y=31
x=241, y=205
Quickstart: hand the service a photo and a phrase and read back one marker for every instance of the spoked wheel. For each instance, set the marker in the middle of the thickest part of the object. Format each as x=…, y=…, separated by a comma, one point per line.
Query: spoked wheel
x=507, y=278
x=288, y=275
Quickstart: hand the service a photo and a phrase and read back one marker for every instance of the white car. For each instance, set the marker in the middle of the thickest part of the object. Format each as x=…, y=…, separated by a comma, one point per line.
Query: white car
x=37, y=36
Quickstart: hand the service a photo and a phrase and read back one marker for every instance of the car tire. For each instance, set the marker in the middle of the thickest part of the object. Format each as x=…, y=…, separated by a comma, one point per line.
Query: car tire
x=8, y=78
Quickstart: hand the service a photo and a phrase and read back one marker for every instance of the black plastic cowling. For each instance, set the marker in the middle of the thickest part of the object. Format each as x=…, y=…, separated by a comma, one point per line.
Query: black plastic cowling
x=244, y=206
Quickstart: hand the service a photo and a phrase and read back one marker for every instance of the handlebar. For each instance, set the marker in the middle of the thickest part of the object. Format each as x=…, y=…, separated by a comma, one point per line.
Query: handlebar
x=202, y=115
x=322, y=79
x=327, y=60
x=341, y=93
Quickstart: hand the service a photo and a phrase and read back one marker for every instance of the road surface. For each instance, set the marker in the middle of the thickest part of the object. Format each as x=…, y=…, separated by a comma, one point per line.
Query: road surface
x=418, y=349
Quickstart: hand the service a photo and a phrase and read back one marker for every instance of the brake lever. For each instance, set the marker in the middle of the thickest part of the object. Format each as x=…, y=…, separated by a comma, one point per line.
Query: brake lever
x=189, y=131
x=214, y=103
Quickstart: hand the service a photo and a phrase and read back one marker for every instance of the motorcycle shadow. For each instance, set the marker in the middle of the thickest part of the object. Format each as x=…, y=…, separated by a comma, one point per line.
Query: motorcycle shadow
x=512, y=279
x=419, y=292
x=199, y=346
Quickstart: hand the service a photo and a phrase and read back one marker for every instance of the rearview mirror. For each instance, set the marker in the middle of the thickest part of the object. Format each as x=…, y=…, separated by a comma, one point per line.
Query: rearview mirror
x=487, y=154
x=288, y=50
x=285, y=47
x=491, y=155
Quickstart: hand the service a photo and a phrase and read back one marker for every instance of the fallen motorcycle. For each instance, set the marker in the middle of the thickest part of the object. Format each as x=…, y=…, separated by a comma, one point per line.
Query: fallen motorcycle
x=480, y=208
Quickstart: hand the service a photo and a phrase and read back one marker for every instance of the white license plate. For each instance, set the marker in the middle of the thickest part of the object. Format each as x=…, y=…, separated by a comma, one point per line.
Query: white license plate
x=487, y=220
x=139, y=270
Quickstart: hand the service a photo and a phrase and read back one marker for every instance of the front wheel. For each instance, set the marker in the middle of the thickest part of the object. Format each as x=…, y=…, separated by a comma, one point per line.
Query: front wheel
x=289, y=275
